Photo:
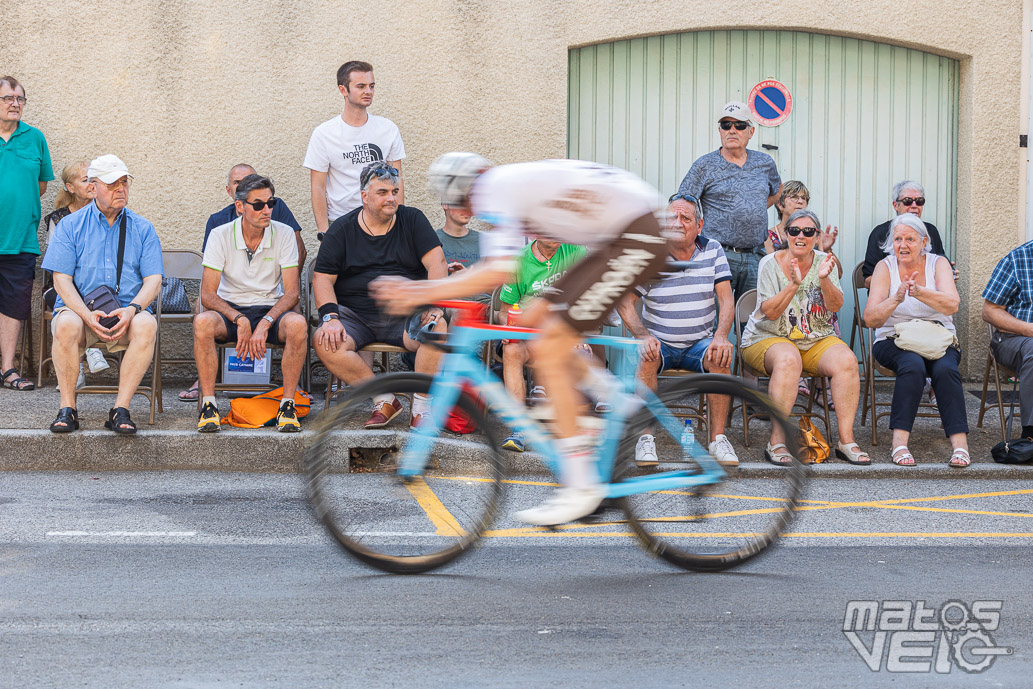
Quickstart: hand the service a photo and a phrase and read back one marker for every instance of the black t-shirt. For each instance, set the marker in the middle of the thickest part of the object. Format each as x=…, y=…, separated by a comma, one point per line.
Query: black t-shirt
x=874, y=253
x=357, y=258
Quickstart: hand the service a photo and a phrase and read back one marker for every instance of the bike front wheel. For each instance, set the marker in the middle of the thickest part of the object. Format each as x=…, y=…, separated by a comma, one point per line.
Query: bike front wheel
x=717, y=526
x=398, y=525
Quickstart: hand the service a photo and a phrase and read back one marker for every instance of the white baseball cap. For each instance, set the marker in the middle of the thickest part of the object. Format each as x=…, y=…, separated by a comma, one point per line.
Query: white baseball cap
x=737, y=110
x=108, y=168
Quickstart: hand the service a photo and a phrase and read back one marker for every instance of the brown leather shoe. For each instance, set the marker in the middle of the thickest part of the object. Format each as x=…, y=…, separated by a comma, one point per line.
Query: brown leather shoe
x=383, y=412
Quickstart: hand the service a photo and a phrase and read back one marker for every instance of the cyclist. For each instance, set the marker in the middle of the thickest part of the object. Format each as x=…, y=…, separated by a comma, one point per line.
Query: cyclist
x=611, y=212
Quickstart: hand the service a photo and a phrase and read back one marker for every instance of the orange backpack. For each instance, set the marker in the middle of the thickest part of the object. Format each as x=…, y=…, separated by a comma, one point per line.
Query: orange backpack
x=260, y=410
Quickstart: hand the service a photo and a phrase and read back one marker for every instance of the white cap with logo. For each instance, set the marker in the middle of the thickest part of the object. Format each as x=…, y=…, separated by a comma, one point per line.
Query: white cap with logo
x=737, y=110
x=108, y=169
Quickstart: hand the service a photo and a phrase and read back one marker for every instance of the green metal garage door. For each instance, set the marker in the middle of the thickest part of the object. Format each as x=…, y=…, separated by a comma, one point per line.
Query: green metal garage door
x=865, y=116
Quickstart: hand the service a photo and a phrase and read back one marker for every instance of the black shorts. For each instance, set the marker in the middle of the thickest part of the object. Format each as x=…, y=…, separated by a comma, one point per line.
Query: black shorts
x=369, y=328
x=591, y=289
x=253, y=314
x=16, y=274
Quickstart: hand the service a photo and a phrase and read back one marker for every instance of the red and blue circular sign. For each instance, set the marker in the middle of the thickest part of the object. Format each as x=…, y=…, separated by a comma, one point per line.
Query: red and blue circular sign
x=770, y=102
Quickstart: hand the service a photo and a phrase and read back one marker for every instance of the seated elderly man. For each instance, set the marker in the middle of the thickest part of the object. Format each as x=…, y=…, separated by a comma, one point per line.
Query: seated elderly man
x=381, y=237
x=104, y=244
x=677, y=324
x=249, y=286
x=908, y=197
x=1008, y=307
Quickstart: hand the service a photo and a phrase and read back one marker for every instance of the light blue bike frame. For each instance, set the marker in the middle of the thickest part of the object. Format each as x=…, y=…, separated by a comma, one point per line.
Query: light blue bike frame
x=462, y=366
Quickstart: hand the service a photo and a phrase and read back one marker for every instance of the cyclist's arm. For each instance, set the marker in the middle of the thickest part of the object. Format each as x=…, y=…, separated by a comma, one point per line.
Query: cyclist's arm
x=399, y=296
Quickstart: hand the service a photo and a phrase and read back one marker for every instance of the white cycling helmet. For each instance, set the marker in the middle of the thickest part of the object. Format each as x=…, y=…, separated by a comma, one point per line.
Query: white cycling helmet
x=452, y=175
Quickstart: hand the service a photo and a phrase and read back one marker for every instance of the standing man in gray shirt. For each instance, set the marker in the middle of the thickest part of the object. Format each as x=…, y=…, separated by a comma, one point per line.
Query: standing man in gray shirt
x=736, y=187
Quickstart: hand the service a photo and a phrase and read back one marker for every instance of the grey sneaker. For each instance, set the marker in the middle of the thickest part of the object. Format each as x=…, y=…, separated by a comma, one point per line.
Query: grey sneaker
x=95, y=359
x=81, y=380
x=645, y=451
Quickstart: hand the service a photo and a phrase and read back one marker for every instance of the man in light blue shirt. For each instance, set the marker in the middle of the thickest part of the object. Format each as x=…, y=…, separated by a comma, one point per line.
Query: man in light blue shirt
x=83, y=255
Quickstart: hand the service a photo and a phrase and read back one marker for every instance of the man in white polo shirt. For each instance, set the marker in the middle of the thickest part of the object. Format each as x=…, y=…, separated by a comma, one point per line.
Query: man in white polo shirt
x=249, y=286
x=677, y=323
x=342, y=146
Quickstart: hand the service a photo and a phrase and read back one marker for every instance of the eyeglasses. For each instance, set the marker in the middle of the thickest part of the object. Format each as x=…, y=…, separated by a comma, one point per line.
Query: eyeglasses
x=380, y=170
x=907, y=201
x=21, y=100
x=796, y=231
x=126, y=181
x=740, y=126
x=260, y=205
x=799, y=197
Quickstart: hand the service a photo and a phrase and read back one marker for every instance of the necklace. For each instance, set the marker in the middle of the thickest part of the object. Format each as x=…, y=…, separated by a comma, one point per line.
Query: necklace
x=541, y=254
x=364, y=224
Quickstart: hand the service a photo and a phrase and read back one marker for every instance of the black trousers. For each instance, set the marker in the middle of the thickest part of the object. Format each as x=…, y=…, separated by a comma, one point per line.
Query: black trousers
x=912, y=370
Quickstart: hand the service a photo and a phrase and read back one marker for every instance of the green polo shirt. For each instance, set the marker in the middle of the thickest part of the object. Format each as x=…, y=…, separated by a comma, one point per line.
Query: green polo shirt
x=24, y=163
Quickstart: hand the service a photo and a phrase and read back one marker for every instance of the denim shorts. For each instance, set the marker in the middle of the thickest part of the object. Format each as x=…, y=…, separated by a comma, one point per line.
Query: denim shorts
x=687, y=358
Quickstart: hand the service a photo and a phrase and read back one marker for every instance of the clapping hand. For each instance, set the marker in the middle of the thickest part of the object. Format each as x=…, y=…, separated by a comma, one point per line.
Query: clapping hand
x=828, y=238
x=826, y=267
x=912, y=284
x=794, y=272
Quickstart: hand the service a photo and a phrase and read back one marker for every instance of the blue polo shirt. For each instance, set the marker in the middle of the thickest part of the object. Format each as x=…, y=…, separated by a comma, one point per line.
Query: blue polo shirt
x=86, y=247
x=24, y=163
x=281, y=213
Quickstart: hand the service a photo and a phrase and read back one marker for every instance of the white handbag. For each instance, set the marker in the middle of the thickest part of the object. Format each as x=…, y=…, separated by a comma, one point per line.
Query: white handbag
x=928, y=339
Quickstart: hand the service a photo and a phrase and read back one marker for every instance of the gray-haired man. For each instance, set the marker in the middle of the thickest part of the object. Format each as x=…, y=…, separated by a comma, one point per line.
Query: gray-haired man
x=736, y=187
x=908, y=197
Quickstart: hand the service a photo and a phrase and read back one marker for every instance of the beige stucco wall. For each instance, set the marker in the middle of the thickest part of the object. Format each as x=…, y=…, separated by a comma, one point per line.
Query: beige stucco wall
x=183, y=89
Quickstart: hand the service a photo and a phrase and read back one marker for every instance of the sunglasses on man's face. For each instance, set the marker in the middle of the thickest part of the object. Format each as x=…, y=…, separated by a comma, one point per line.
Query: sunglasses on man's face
x=260, y=205
x=918, y=201
x=738, y=125
x=796, y=231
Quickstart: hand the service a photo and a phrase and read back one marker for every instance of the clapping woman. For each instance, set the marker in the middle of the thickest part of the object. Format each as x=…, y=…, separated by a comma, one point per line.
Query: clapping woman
x=913, y=283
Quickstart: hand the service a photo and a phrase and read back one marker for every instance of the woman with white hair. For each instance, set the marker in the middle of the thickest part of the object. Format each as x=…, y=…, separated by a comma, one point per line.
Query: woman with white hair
x=911, y=284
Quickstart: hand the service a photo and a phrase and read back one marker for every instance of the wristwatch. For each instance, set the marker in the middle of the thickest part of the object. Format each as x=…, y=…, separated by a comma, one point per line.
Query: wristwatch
x=136, y=306
x=269, y=318
x=331, y=316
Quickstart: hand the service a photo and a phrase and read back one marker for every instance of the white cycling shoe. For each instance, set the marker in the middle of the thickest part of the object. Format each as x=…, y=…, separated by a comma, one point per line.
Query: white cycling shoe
x=564, y=505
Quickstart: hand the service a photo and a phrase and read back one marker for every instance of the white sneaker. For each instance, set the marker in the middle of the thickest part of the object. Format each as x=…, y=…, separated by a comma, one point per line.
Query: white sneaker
x=723, y=451
x=564, y=505
x=645, y=451
x=95, y=358
x=81, y=380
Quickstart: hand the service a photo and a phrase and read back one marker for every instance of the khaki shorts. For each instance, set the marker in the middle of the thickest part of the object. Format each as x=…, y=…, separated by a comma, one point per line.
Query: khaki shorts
x=754, y=354
x=91, y=337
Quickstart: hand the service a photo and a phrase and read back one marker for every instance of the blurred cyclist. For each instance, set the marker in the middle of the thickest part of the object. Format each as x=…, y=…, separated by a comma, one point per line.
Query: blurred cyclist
x=609, y=211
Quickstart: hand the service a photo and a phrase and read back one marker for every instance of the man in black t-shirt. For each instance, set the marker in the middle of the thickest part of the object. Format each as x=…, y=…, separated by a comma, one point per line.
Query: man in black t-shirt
x=379, y=238
x=908, y=197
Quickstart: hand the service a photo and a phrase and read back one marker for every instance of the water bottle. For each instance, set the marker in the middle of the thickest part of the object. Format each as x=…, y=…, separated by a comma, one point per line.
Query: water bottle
x=688, y=438
x=512, y=318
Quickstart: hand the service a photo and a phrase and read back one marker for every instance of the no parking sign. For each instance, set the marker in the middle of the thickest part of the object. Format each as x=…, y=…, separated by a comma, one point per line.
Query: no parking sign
x=770, y=102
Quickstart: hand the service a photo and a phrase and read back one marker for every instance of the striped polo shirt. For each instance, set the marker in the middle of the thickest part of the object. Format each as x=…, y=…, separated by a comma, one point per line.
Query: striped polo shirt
x=679, y=309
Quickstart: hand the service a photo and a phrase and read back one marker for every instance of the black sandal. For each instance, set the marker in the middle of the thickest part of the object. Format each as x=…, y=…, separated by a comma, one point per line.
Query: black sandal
x=67, y=416
x=117, y=418
x=18, y=383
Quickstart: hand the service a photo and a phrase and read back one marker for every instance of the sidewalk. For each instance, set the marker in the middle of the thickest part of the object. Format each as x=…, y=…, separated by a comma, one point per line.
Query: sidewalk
x=173, y=443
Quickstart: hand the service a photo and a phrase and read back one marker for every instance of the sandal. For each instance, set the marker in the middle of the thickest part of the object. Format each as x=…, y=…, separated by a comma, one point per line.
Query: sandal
x=190, y=394
x=848, y=453
x=959, y=458
x=67, y=416
x=903, y=459
x=119, y=421
x=18, y=383
x=775, y=457
x=819, y=398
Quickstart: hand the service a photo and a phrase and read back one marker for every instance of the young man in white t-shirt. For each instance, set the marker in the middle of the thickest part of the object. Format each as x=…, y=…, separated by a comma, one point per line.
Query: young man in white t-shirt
x=342, y=146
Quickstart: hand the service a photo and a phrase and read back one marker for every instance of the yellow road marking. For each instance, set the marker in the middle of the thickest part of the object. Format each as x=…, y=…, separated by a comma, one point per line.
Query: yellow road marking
x=534, y=532
x=438, y=514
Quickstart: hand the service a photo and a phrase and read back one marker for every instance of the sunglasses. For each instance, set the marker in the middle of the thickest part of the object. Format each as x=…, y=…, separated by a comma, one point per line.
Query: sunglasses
x=260, y=205
x=740, y=126
x=797, y=231
x=907, y=201
x=381, y=171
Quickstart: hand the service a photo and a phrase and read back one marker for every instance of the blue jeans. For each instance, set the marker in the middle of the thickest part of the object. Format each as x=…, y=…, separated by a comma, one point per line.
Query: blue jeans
x=743, y=266
x=688, y=358
x=912, y=370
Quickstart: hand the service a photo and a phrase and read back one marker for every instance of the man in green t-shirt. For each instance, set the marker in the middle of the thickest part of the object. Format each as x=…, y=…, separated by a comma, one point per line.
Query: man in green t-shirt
x=540, y=264
x=25, y=169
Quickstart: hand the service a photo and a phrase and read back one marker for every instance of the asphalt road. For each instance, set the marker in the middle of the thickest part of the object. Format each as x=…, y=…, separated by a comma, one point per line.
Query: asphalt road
x=193, y=579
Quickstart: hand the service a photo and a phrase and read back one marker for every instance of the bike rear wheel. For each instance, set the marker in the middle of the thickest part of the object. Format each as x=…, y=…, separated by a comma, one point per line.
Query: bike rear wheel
x=714, y=527
x=402, y=526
